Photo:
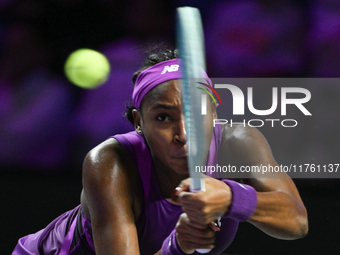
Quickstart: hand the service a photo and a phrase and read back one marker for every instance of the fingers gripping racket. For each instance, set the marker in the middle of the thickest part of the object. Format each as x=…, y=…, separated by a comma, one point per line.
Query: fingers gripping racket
x=190, y=41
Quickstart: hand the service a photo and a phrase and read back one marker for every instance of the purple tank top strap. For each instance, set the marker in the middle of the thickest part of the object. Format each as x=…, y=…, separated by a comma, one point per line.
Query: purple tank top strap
x=136, y=146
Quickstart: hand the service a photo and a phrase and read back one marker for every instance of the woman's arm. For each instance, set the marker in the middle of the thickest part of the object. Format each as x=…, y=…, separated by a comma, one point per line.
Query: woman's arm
x=280, y=211
x=109, y=200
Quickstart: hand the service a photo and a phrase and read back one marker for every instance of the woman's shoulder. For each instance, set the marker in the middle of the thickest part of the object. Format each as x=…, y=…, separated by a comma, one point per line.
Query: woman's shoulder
x=240, y=133
x=240, y=142
x=108, y=171
x=106, y=158
x=109, y=149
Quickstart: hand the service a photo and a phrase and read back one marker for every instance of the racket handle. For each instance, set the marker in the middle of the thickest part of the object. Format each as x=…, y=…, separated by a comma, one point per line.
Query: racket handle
x=197, y=184
x=203, y=251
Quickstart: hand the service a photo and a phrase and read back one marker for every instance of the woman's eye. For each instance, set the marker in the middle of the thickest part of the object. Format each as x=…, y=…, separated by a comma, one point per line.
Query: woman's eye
x=162, y=118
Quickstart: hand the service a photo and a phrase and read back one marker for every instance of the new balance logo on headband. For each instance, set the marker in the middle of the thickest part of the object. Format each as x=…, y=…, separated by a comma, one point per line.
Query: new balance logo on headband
x=171, y=68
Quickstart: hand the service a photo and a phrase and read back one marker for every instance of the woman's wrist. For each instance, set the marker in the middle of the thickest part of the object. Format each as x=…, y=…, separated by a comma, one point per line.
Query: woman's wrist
x=243, y=201
x=171, y=247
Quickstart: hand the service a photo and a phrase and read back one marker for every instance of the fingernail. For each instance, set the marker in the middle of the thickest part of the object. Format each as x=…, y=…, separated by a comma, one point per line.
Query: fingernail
x=175, y=192
x=214, y=226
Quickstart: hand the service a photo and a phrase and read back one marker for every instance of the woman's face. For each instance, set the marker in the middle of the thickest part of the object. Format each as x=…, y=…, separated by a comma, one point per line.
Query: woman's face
x=162, y=124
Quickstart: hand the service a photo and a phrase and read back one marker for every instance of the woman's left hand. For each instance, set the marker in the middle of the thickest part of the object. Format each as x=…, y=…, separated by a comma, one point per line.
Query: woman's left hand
x=205, y=206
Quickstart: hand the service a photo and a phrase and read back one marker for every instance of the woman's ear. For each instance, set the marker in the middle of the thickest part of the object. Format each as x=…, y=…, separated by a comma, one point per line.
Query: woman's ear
x=137, y=121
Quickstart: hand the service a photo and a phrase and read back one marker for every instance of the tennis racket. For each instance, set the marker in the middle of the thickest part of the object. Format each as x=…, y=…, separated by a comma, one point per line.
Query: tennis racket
x=190, y=41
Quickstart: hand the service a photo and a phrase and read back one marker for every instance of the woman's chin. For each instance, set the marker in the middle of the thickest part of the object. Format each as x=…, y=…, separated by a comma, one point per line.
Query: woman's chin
x=181, y=169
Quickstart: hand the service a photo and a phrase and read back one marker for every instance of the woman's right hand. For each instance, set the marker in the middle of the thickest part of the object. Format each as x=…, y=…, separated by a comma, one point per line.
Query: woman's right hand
x=191, y=236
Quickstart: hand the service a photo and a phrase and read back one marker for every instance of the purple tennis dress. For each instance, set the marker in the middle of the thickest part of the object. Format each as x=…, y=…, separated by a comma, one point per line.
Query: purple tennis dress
x=71, y=232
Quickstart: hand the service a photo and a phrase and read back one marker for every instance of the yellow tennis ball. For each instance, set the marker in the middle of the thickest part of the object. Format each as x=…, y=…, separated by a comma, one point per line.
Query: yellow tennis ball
x=87, y=68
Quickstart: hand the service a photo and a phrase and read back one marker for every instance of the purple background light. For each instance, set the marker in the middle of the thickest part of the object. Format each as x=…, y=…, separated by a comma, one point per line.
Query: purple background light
x=47, y=125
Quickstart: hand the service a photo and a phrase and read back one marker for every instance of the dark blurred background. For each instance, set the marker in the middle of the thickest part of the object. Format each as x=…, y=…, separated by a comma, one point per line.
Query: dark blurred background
x=47, y=125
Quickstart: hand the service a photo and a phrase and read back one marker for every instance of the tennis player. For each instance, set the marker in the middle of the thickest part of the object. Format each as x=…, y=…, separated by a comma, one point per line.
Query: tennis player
x=136, y=198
